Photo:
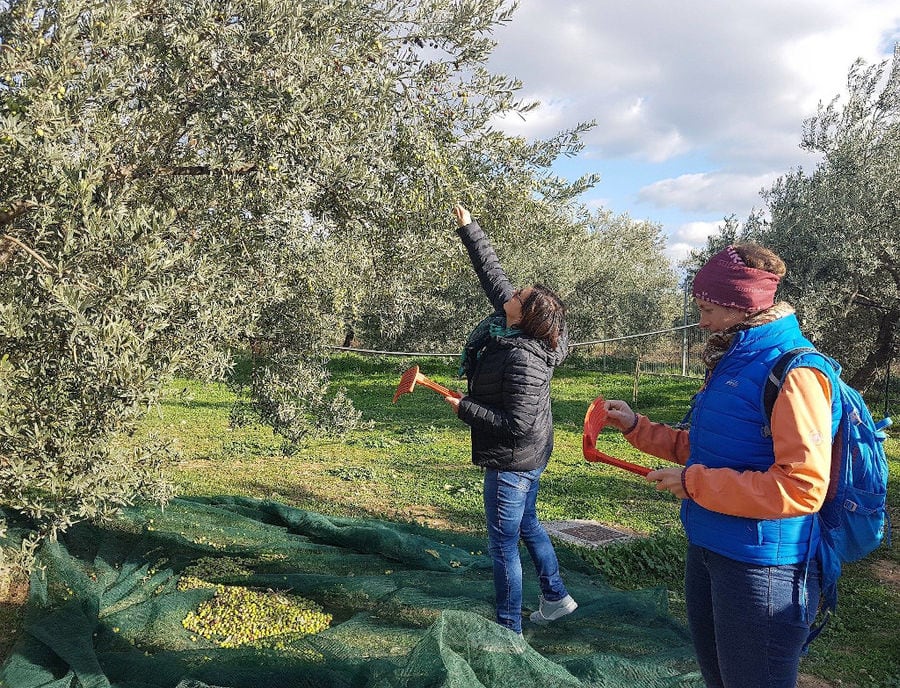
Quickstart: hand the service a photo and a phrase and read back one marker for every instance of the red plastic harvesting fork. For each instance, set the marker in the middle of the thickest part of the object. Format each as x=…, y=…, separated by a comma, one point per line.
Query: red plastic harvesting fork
x=594, y=420
x=412, y=376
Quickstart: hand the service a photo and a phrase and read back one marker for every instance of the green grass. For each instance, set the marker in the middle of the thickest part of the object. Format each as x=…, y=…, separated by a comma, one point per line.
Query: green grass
x=412, y=464
x=413, y=461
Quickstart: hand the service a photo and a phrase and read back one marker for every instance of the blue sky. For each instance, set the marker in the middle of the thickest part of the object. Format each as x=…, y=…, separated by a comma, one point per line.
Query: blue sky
x=699, y=104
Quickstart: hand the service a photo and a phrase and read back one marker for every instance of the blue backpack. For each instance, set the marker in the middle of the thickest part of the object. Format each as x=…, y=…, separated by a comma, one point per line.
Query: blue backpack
x=854, y=519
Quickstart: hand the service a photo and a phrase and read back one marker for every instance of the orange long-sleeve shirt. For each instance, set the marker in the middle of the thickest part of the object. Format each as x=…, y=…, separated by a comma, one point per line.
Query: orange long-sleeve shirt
x=794, y=485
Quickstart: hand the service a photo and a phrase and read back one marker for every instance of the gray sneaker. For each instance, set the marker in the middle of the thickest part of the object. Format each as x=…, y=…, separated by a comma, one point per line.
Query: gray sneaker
x=551, y=611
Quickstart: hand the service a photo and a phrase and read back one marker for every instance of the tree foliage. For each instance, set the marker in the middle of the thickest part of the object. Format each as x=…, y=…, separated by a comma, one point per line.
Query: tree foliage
x=625, y=284
x=182, y=181
x=610, y=270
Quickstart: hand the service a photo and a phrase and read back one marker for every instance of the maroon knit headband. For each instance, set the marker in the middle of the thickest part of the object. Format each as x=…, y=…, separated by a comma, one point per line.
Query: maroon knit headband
x=727, y=281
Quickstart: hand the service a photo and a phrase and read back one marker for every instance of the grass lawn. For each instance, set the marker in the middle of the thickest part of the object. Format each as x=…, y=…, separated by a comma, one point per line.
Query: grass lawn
x=412, y=463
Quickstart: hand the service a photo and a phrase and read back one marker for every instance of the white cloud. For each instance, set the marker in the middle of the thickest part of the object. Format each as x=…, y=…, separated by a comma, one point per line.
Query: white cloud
x=551, y=117
x=689, y=236
x=696, y=233
x=861, y=31
x=704, y=99
x=662, y=78
x=708, y=192
x=678, y=251
x=597, y=203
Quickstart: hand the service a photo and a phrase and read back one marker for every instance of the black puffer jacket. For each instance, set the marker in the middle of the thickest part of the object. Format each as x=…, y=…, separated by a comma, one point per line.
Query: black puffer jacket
x=508, y=404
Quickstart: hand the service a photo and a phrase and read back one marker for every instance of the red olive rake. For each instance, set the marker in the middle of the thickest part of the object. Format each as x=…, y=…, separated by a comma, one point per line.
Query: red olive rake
x=411, y=377
x=594, y=420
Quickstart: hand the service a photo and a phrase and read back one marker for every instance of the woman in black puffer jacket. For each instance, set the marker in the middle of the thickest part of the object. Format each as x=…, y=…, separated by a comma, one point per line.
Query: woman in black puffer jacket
x=509, y=360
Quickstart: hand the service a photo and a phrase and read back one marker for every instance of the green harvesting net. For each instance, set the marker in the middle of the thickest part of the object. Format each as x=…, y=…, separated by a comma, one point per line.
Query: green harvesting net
x=241, y=593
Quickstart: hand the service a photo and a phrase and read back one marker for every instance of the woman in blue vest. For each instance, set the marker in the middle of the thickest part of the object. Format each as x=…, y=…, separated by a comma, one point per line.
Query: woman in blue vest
x=750, y=486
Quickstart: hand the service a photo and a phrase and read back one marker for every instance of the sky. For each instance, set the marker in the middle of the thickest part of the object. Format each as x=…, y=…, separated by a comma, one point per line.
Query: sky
x=699, y=104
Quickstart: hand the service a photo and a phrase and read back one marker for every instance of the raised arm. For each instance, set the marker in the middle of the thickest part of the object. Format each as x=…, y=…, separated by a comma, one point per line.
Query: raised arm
x=484, y=259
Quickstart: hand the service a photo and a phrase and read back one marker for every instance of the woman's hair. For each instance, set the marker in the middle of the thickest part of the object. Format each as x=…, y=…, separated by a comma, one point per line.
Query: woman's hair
x=761, y=258
x=543, y=316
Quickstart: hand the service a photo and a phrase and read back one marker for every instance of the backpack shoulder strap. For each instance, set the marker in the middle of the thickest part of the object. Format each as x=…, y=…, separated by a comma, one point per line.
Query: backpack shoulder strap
x=776, y=376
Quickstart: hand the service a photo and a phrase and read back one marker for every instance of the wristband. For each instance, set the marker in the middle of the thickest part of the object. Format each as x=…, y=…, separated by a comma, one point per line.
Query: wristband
x=684, y=482
x=633, y=425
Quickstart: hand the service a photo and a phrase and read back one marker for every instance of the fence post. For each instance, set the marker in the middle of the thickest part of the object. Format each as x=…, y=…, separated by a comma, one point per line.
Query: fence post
x=637, y=375
x=684, y=335
x=887, y=386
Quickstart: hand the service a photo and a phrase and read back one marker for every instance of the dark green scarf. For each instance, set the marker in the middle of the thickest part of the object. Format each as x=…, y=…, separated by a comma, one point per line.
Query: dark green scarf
x=492, y=326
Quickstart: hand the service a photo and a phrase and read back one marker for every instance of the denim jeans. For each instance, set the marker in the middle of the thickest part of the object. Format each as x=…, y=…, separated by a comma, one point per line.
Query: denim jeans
x=749, y=622
x=509, y=505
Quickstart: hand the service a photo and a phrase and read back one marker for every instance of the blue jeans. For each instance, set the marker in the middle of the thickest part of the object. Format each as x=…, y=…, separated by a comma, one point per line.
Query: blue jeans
x=749, y=622
x=509, y=505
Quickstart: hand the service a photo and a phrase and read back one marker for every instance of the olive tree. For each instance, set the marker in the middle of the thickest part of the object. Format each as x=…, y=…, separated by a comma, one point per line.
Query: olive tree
x=625, y=283
x=838, y=227
x=610, y=270
x=180, y=181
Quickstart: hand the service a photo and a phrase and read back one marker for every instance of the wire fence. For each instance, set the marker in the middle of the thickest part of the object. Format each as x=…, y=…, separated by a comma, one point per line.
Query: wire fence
x=678, y=352
x=675, y=351
x=886, y=396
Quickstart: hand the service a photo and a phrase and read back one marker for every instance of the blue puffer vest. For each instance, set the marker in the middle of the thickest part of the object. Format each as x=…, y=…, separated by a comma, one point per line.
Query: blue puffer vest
x=729, y=430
